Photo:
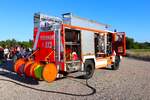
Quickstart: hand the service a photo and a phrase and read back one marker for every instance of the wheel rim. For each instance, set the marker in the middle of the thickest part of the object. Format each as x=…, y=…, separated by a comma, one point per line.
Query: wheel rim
x=50, y=72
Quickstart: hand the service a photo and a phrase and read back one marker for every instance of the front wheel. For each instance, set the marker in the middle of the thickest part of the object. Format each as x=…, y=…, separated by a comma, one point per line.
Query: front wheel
x=89, y=69
x=115, y=65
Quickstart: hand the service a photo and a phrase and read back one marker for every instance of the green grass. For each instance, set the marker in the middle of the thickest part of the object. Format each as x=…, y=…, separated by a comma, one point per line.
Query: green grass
x=139, y=53
x=139, y=50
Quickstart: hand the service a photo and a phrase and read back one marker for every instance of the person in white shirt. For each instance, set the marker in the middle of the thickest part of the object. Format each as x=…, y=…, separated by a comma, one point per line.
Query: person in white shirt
x=6, y=52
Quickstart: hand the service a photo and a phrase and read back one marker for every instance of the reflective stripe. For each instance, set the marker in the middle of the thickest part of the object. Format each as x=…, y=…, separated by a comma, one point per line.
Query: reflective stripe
x=37, y=38
x=101, y=63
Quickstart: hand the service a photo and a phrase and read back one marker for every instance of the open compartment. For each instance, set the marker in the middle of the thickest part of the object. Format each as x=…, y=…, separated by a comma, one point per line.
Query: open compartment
x=103, y=44
x=73, y=49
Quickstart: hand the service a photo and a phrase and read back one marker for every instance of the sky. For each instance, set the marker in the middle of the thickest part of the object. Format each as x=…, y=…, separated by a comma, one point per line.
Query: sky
x=130, y=16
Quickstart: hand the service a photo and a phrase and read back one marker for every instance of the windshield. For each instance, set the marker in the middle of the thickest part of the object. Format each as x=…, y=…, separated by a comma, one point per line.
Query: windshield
x=46, y=23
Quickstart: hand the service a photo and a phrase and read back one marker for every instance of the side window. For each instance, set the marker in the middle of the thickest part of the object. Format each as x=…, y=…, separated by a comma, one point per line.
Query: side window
x=119, y=38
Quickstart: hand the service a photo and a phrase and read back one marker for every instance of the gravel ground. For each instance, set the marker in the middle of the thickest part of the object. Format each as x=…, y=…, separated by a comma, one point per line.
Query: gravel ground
x=130, y=82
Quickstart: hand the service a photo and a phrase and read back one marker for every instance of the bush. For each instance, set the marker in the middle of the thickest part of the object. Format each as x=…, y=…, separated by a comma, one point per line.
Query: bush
x=130, y=44
x=13, y=42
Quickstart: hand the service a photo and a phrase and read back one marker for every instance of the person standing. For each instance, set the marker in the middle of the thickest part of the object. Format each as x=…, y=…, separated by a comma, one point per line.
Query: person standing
x=6, y=52
x=1, y=54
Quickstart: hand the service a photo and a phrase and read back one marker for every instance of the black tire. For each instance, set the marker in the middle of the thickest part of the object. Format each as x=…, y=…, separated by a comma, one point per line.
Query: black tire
x=89, y=69
x=115, y=66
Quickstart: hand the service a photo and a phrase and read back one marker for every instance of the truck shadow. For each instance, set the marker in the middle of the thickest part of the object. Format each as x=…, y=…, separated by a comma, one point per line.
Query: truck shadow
x=15, y=77
x=25, y=82
x=106, y=68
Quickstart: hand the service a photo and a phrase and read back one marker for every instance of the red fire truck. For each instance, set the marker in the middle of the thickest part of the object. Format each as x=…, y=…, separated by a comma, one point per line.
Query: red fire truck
x=70, y=44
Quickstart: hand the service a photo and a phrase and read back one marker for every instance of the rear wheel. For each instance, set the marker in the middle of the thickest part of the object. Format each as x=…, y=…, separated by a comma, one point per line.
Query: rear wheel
x=115, y=66
x=89, y=69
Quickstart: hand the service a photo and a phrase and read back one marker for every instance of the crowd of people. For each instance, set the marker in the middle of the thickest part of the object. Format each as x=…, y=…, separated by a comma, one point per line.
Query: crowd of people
x=14, y=52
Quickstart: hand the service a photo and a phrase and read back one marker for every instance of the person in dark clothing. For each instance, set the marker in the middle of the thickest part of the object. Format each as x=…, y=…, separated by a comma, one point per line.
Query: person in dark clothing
x=1, y=53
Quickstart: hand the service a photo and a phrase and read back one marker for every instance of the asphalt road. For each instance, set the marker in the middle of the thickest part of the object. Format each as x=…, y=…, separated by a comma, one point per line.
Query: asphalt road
x=130, y=82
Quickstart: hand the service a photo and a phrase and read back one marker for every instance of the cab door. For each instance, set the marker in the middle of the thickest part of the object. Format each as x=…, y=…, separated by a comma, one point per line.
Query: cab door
x=119, y=43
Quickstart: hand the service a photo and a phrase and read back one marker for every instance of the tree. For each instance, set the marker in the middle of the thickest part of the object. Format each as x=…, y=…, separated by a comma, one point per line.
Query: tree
x=136, y=45
x=129, y=43
x=13, y=42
